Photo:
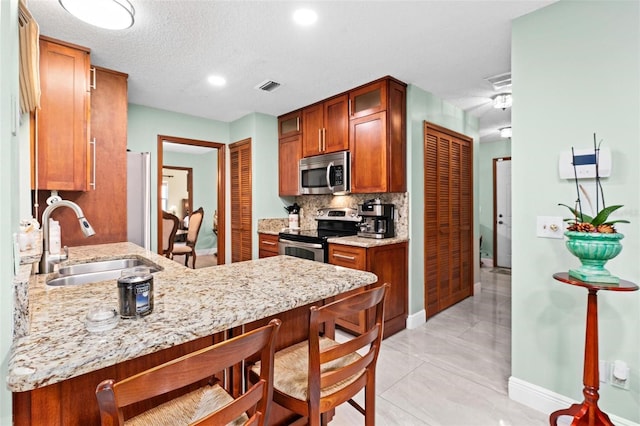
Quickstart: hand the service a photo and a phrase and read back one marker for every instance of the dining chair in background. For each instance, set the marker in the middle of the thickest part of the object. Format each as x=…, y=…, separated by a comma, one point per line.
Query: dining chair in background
x=170, y=224
x=208, y=405
x=189, y=248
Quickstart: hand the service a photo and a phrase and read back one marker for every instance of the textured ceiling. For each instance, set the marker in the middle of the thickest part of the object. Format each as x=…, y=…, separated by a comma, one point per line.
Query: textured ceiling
x=444, y=47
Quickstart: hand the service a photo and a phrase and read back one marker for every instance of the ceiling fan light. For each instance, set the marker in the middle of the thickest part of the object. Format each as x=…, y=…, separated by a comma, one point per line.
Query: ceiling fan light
x=502, y=101
x=109, y=14
x=505, y=132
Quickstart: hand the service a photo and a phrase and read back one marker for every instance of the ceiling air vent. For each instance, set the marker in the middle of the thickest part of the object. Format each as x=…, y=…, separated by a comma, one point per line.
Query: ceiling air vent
x=268, y=86
x=500, y=81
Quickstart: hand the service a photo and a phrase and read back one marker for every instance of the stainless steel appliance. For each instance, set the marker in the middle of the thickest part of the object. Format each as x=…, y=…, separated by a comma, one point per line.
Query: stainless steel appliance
x=312, y=243
x=139, y=199
x=325, y=174
x=377, y=219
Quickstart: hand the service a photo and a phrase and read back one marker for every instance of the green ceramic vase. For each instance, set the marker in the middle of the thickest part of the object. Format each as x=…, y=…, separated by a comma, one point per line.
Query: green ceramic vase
x=594, y=250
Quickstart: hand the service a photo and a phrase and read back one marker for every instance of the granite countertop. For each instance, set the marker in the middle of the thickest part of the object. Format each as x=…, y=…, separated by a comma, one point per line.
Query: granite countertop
x=188, y=304
x=366, y=242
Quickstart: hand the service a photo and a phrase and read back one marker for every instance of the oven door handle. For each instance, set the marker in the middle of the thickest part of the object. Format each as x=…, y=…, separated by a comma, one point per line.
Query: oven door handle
x=299, y=244
x=329, y=176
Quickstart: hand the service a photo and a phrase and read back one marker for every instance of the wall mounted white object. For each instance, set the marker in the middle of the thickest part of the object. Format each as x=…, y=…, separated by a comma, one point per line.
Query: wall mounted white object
x=585, y=160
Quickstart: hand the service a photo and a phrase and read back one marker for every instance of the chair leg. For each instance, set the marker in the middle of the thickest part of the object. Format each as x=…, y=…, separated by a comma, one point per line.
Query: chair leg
x=186, y=259
x=193, y=262
x=370, y=402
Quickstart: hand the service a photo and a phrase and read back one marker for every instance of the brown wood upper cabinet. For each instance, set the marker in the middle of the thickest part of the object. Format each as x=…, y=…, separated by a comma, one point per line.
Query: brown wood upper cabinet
x=290, y=124
x=377, y=137
x=325, y=127
x=62, y=149
x=289, y=155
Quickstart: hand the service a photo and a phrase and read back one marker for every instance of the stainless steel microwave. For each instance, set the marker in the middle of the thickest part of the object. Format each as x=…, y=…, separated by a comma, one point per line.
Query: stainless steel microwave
x=325, y=174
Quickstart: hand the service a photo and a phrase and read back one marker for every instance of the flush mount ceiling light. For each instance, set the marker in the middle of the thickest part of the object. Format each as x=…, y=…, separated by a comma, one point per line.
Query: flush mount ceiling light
x=216, y=80
x=305, y=17
x=502, y=101
x=109, y=14
x=505, y=132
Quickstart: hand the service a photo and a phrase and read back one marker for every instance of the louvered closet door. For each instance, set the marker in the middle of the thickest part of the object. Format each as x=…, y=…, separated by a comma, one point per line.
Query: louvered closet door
x=240, y=200
x=448, y=218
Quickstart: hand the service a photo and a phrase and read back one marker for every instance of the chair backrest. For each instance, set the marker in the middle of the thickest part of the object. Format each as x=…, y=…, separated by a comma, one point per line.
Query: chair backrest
x=194, y=367
x=195, y=220
x=323, y=319
x=169, y=228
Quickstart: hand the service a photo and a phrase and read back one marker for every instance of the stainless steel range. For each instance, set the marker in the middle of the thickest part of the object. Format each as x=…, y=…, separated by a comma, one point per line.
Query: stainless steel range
x=312, y=243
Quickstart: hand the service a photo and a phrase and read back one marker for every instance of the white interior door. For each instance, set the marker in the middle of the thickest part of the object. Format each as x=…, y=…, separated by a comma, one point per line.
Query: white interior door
x=502, y=213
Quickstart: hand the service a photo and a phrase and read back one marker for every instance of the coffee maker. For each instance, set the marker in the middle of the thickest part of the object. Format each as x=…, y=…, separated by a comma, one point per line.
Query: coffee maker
x=377, y=219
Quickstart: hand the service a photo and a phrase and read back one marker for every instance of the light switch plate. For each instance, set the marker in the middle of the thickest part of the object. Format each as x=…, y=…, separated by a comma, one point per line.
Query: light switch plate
x=550, y=227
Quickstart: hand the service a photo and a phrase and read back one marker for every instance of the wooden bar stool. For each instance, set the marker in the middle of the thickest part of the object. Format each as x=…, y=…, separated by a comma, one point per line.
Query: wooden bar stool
x=313, y=377
x=208, y=405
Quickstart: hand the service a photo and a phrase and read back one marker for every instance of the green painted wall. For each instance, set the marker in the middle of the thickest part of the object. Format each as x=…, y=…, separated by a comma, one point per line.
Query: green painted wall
x=421, y=106
x=487, y=151
x=205, y=189
x=263, y=131
x=576, y=71
x=9, y=184
x=143, y=127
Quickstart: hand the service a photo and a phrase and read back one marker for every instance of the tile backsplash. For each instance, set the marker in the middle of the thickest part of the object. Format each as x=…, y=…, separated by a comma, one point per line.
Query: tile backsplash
x=310, y=204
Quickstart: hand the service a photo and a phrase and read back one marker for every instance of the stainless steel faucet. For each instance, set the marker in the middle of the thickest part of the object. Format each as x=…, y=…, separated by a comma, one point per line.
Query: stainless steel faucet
x=48, y=260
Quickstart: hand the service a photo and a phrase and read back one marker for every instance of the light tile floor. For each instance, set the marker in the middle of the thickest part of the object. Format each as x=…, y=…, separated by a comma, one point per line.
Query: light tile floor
x=453, y=370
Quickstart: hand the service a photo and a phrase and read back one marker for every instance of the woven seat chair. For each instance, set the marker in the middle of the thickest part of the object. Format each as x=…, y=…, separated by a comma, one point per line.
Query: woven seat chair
x=208, y=405
x=313, y=377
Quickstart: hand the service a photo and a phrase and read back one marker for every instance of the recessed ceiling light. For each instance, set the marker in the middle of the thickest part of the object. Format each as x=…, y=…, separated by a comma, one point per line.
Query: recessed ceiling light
x=216, y=80
x=305, y=17
x=109, y=14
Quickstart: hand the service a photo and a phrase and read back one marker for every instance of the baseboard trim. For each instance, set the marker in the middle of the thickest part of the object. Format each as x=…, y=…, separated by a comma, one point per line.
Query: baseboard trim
x=547, y=401
x=417, y=319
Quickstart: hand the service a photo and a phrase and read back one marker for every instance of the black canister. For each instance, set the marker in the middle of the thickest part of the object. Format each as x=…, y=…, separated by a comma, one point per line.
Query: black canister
x=135, y=292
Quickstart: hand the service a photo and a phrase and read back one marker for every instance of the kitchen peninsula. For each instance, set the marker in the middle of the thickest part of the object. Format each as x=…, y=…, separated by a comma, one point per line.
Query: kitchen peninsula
x=55, y=366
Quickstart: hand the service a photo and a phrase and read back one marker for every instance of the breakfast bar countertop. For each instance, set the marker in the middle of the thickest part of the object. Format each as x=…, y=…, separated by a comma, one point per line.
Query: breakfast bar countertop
x=188, y=304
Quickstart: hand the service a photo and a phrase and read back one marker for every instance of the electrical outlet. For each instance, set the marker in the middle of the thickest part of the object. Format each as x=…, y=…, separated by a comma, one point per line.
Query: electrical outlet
x=550, y=227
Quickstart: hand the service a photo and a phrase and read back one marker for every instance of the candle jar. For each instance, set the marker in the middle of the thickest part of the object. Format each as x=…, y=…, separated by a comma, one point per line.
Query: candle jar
x=135, y=292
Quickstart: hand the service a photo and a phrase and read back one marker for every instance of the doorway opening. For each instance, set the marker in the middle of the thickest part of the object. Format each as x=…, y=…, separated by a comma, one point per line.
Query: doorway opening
x=502, y=212
x=207, y=187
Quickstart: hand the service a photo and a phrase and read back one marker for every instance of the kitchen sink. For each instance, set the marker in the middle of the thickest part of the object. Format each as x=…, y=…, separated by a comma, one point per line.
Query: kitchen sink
x=85, y=273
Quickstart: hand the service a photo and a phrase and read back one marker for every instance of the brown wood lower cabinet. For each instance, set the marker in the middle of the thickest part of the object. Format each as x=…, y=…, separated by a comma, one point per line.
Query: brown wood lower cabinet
x=73, y=401
x=389, y=263
x=267, y=245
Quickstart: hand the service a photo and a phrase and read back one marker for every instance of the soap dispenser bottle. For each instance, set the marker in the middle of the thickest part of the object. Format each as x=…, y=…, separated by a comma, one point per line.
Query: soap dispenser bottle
x=54, y=237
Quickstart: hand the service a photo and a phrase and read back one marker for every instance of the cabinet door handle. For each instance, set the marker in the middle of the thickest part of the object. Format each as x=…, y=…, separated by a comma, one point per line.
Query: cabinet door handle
x=342, y=256
x=297, y=124
x=269, y=243
x=349, y=107
x=92, y=85
x=319, y=140
x=324, y=139
x=93, y=184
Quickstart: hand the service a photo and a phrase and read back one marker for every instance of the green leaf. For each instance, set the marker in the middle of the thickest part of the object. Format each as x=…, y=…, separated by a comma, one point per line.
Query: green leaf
x=576, y=214
x=611, y=222
x=603, y=214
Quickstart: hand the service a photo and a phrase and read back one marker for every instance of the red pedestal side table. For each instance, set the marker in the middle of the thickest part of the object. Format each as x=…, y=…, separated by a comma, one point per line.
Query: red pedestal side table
x=587, y=413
